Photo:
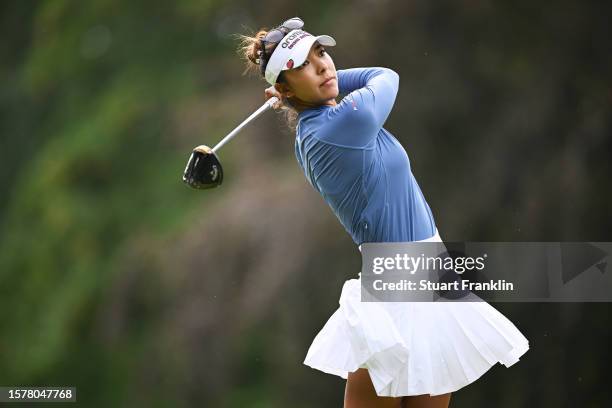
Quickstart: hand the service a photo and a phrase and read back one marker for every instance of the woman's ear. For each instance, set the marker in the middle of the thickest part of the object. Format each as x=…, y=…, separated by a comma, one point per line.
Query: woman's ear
x=284, y=89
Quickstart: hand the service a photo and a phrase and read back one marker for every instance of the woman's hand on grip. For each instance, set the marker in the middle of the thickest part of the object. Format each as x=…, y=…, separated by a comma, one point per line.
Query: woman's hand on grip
x=270, y=92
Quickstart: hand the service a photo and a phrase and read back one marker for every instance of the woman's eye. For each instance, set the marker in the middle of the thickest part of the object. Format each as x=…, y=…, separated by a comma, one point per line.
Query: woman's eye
x=322, y=51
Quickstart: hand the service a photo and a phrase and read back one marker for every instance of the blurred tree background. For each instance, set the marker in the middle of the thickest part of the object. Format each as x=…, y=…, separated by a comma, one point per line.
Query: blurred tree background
x=118, y=279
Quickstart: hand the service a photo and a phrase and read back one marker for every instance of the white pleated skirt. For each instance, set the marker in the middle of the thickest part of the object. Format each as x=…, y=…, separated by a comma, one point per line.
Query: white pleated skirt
x=414, y=348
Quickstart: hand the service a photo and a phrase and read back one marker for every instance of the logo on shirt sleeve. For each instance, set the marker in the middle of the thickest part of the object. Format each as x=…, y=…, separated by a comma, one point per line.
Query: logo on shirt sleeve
x=350, y=98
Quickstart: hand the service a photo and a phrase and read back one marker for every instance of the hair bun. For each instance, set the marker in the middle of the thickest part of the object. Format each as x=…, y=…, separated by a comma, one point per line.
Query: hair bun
x=250, y=50
x=252, y=47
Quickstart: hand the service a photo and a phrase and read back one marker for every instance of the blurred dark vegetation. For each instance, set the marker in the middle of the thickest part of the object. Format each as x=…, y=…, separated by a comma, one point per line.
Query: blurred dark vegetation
x=119, y=280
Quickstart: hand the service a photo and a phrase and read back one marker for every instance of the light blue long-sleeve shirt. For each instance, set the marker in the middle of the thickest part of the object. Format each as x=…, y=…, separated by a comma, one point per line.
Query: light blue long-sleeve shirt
x=359, y=168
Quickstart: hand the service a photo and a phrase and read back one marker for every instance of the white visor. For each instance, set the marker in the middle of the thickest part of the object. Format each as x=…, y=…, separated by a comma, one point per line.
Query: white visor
x=292, y=52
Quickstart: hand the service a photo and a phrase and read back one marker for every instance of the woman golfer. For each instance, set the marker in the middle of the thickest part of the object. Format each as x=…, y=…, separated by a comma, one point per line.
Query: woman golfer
x=411, y=354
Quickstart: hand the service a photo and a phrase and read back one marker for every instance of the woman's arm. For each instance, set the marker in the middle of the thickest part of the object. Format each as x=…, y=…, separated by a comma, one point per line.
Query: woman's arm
x=354, y=78
x=356, y=120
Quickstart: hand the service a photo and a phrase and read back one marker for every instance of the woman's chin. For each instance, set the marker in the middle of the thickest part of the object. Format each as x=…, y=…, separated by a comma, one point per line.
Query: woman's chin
x=331, y=93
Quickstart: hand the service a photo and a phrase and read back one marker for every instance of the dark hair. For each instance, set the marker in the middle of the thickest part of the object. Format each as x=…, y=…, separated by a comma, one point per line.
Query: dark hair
x=248, y=50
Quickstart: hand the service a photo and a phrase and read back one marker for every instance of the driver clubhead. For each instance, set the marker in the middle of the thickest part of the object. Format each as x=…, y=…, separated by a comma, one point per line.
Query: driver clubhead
x=203, y=169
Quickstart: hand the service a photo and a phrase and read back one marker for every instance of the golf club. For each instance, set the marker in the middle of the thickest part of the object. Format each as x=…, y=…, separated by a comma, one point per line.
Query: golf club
x=203, y=168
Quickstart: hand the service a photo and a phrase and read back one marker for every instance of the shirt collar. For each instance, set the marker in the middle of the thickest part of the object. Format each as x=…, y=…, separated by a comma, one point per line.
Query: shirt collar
x=312, y=111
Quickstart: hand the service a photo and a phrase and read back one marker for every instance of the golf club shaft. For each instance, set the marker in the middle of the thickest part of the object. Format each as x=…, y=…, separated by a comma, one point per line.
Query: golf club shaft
x=267, y=105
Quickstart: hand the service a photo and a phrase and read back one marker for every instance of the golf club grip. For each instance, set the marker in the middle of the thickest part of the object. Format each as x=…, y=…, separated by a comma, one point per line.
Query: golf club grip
x=267, y=105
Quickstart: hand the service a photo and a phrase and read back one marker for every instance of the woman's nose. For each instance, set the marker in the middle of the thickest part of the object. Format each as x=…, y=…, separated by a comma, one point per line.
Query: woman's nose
x=323, y=66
